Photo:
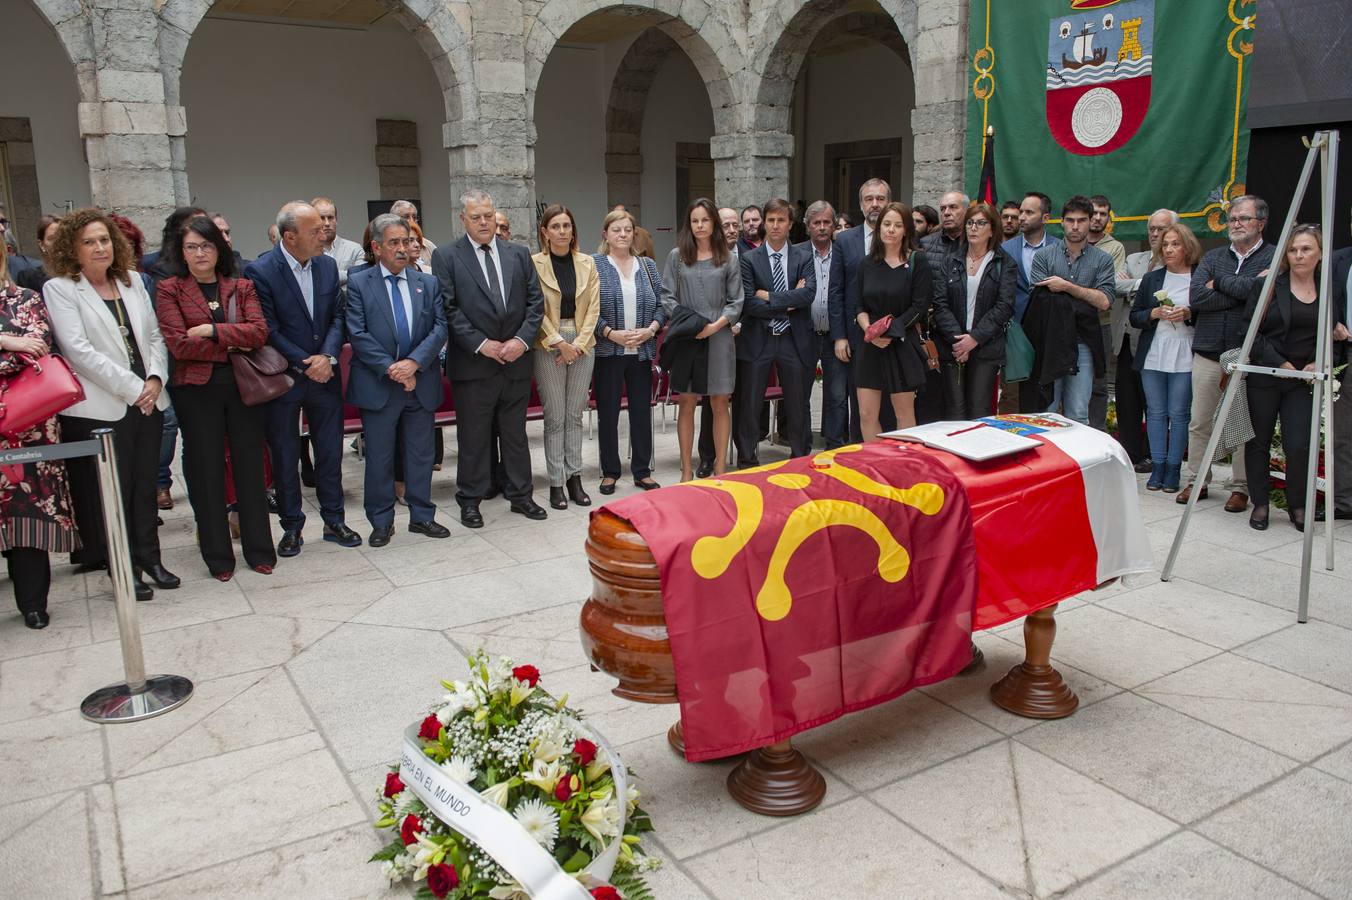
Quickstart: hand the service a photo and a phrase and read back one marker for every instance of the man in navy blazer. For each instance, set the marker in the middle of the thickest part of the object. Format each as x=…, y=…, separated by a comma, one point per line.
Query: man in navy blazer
x=853, y=245
x=397, y=327
x=493, y=309
x=1034, y=213
x=779, y=282
x=297, y=287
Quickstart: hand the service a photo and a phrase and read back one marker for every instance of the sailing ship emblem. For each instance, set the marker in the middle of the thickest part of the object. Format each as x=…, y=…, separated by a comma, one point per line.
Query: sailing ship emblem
x=1098, y=74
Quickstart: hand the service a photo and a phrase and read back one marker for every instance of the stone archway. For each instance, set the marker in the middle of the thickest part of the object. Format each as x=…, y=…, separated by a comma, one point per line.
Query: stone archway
x=624, y=116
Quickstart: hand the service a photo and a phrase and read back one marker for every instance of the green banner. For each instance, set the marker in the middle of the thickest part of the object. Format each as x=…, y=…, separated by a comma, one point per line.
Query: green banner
x=1141, y=100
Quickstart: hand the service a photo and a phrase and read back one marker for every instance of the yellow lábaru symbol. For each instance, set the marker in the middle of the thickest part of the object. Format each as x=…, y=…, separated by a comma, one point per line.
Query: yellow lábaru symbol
x=712, y=554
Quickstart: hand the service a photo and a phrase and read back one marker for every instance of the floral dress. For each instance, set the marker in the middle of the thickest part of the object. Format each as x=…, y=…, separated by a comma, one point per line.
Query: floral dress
x=34, y=497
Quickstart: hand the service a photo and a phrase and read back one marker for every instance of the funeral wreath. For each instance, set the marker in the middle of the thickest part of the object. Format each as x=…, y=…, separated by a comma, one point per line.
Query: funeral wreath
x=543, y=797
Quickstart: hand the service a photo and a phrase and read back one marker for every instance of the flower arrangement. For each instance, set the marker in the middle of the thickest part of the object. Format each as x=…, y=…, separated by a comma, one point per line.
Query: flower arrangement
x=501, y=736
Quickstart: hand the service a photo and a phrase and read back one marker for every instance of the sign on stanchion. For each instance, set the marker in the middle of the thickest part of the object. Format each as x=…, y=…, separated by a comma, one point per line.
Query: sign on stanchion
x=139, y=697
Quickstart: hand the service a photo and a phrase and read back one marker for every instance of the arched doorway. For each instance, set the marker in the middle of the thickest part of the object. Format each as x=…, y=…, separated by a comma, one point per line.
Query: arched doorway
x=309, y=122
x=625, y=104
x=42, y=169
x=845, y=69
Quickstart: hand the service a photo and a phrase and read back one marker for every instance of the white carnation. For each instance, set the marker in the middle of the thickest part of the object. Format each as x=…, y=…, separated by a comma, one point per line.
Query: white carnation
x=539, y=820
x=461, y=769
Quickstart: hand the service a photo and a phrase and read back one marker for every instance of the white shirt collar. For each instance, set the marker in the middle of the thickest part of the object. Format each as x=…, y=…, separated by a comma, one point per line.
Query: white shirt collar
x=491, y=245
x=386, y=273
x=1251, y=251
x=823, y=256
x=784, y=248
x=291, y=260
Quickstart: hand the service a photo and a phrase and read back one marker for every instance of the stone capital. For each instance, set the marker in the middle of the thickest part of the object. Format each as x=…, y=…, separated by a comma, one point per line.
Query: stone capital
x=748, y=144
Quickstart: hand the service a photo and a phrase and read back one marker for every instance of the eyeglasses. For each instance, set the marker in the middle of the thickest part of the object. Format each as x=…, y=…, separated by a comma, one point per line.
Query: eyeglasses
x=1241, y=220
x=198, y=248
x=977, y=223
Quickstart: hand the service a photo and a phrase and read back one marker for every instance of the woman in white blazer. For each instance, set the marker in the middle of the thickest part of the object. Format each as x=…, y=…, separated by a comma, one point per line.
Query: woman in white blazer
x=104, y=325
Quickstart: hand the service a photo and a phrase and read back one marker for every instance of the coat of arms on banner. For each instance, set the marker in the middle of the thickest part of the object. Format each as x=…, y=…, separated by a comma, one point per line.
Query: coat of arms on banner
x=1098, y=73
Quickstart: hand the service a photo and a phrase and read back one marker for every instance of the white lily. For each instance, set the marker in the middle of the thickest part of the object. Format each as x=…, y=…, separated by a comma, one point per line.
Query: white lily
x=598, y=766
x=631, y=797
x=602, y=819
x=545, y=775
x=497, y=793
x=509, y=891
x=520, y=691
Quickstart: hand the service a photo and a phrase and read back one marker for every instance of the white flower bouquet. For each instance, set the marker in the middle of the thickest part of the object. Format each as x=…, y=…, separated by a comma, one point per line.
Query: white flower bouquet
x=543, y=796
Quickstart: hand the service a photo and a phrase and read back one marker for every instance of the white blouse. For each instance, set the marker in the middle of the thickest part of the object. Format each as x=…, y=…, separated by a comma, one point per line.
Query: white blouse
x=628, y=297
x=1171, y=348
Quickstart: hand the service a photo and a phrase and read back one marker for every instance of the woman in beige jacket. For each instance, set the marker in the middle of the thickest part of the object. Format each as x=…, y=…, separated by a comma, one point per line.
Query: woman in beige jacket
x=563, y=371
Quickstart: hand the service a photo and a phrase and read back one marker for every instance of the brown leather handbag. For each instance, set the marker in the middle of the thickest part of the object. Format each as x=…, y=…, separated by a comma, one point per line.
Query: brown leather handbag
x=260, y=374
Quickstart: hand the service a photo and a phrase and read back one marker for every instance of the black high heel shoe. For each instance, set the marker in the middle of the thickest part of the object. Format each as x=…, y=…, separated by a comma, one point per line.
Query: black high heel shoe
x=575, y=491
x=557, y=498
x=1258, y=519
x=1297, y=518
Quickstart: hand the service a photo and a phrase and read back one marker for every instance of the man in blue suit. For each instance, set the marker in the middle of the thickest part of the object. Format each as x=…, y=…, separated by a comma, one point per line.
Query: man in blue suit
x=779, y=282
x=297, y=287
x=1034, y=213
x=843, y=294
x=397, y=327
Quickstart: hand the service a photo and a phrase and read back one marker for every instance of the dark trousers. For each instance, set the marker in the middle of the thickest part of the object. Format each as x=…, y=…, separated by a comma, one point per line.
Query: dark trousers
x=168, y=445
x=323, y=407
x=1098, y=394
x=835, y=411
x=1269, y=398
x=210, y=416
x=969, y=388
x=779, y=352
x=1034, y=397
x=852, y=393
x=1130, y=406
x=480, y=404
x=931, y=400
x=136, y=440
x=402, y=427
x=438, y=452
x=30, y=572
x=635, y=376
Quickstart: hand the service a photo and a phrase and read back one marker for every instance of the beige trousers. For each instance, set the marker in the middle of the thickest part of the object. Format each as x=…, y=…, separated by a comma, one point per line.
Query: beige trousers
x=1206, y=396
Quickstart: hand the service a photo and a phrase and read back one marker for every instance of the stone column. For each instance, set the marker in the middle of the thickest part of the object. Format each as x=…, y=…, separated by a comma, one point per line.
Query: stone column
x=624, y=181
x=939, y=121
x=133, y=135
x=493, y=147
x=751, y=167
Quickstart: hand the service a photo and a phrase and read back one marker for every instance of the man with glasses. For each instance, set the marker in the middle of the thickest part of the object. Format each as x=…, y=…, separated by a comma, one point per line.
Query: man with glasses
x=1220, y=290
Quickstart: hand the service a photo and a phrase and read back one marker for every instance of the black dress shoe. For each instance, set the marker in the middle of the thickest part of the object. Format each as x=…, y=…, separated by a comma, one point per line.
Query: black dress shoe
x=1143, y=467
x=529, y=508
x=607, y=486
x=272, y=503
x=648, y=484
x=142, y=590
x=36, y=620
x=557, y=498
x=470, y=516
x=381, y=536
x=430, y=528
x=162, y=577
x=92, y=567
x=1258, y=519
x=576, y=493
x=1297, y=518
x=705, y=469
x=341, y=535
x=290, y=544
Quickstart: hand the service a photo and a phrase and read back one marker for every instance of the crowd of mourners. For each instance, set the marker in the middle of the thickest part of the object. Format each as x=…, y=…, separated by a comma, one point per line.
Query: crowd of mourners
x=913, y=315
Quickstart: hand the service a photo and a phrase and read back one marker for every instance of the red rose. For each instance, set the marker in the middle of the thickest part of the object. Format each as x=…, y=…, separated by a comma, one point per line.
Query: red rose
x=606, y=892
x=431, y=729
x=529, y=674
x=441, y=880
x=393, y=785
x=563, y=790
x=584, y=750
x=410, y=828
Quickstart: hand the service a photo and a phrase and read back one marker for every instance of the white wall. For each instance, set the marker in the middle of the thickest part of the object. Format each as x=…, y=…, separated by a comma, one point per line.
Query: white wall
x=678, y=111
x=846, y=101
x=570, y=139
x=38, y=82
x=283, y=112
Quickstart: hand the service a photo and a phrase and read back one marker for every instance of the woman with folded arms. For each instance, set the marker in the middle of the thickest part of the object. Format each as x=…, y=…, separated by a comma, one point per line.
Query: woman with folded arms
x=973, y=302
x=35, y=517
x=105, y=326
x=626, y=340
x=205, y=311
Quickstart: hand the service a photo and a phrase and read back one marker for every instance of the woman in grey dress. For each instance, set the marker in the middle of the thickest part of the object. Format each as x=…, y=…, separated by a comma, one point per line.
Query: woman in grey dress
x=704, y=277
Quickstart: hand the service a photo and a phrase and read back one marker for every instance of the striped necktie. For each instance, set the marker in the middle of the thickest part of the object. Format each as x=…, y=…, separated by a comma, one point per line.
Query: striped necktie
x=779, y=324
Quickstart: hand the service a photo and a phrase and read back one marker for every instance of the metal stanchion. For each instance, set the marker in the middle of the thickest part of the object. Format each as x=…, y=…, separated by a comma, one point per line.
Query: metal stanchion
x=138, y=697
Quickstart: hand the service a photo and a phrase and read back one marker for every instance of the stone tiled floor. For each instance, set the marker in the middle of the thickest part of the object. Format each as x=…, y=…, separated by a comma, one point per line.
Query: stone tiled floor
x=1211, y=757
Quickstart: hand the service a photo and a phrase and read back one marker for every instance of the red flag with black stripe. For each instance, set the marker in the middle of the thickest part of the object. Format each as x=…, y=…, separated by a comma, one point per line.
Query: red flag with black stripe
x=986, y=191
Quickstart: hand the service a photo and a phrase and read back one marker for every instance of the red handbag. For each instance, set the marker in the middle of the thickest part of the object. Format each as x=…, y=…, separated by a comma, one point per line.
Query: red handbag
x=36, y=393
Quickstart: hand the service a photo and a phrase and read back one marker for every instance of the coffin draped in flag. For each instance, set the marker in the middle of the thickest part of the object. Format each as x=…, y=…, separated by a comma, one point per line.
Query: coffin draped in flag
x=1141, y=100
x=803, y=590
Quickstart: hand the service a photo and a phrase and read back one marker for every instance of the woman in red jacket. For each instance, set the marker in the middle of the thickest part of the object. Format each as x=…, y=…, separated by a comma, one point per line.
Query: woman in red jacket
x=205, y=311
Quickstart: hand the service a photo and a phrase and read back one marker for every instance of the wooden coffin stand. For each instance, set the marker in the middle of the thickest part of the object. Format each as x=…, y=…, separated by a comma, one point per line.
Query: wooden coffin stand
x=624, y=634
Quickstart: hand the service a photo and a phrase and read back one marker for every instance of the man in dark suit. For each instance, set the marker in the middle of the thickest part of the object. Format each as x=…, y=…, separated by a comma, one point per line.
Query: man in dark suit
x=853, y=245
x=397, y=327
x=297, y=286
x=1342, y=407
x=493, y=308
x=820, y=220
x=779, y=282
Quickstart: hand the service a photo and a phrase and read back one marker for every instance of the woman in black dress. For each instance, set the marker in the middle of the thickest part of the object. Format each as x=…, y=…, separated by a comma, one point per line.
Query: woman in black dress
x=894, y=280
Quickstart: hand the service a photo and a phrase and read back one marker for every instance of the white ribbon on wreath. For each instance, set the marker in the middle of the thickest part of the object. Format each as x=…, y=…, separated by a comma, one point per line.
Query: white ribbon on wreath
x=500, y=835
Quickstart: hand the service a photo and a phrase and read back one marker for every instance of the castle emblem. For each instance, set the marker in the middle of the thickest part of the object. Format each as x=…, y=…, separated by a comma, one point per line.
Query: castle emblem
x=1098, y=74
